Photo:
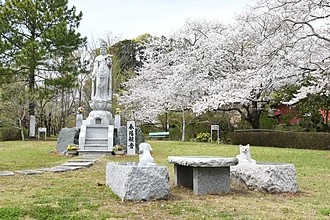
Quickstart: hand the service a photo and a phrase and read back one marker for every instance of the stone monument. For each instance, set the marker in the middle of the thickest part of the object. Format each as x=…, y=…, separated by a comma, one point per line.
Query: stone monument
x=96, y=132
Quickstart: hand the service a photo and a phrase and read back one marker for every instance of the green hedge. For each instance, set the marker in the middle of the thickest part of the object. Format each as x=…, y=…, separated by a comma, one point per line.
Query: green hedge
x=10, y=134
x=299, y=140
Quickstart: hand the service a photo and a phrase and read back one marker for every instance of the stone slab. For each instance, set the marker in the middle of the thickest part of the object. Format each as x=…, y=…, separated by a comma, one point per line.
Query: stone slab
x=56, y=169
x=203, y=161
x=6, y=173
x=266, y=177
x=29, y=172
x=84, y=160
x=138, y=183
x=78, y=163
x=70, y=168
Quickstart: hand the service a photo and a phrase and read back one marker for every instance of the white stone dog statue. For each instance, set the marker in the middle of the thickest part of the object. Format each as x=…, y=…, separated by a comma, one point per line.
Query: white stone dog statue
x=244, y=157
x=145, y=158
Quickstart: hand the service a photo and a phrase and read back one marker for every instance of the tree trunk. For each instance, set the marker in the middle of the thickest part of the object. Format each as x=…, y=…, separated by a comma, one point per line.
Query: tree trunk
x=21, y=127
x=326, y=117
x=254, y=115
x=183, y=126
x=31, y=92
x=62, y=123
x=49, y=121
x=166, y=125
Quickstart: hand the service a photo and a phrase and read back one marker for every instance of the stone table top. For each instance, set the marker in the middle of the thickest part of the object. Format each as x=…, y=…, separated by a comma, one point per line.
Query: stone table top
x=203, y=161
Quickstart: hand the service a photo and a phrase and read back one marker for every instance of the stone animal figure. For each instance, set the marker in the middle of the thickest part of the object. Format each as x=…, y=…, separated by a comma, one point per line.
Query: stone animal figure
x=145, y=158
x=244, y=156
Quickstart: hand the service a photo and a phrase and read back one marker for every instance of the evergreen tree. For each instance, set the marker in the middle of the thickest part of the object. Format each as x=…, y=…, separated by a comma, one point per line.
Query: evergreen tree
x=37, y=38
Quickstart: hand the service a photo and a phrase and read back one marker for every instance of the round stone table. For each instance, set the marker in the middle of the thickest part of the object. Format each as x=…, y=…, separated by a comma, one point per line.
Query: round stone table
x=205, y=175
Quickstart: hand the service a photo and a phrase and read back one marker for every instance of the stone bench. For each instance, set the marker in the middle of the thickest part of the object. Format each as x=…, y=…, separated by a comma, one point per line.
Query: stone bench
x=162, y=134
x=205, y=175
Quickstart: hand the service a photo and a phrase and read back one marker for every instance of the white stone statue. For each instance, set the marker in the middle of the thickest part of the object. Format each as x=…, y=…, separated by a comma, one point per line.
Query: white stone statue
x=145, y=158
x=244, y=157
x=101, y=76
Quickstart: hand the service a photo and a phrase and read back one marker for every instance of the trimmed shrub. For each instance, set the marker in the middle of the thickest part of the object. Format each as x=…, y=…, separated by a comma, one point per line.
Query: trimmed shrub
x=267, y=122
x=203, y=137
x=299, y=140
x=10, y=134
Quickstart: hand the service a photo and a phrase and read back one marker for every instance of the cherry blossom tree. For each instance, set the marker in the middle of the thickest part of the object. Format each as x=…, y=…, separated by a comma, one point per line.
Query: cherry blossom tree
x=310, y=44
x=167, y=79
x=207, y=66
x=210, y=67
x=250, y=61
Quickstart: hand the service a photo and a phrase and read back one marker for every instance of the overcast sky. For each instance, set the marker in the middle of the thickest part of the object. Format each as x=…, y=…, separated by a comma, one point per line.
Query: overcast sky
x=130, y=18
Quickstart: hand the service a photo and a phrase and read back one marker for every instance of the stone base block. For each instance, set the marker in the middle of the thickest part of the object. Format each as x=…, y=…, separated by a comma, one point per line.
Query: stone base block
x=211, y=180
x=266, y=177
x=132, y=182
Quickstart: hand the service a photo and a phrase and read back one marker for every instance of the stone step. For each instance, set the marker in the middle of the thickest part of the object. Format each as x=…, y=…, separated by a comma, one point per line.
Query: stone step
x=96, y=141
x=86, y=154
x=85, y=159
x=6, y=173
x=56, y=169
x=93, y=147
x=78, y=164
x=93, y=143
x=94, y=152
x=96, y=145
x=29, y=172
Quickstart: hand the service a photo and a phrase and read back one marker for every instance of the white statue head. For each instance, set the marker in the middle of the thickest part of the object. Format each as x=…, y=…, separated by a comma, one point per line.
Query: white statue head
x=103, y=49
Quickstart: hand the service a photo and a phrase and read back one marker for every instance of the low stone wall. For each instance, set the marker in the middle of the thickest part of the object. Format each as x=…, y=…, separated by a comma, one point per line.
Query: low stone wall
x=266, y=177
x=132, y=182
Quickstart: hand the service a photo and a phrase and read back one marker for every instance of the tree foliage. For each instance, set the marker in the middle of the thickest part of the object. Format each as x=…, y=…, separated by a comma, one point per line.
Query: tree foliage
x=37, y=41
x=308, y=22
x=209, y=66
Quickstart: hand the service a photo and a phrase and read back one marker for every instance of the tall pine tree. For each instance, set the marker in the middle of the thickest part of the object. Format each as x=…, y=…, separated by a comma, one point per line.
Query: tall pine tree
x=37, y=38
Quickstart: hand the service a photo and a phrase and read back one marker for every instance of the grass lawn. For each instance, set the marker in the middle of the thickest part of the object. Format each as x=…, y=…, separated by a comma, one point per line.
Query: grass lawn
x=20, y=155
x=82, y=194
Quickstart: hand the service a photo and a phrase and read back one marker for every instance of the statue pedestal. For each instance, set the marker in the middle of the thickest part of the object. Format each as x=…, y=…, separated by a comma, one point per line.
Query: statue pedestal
x=97, y=133
x=96, y=138
x=99, y=117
